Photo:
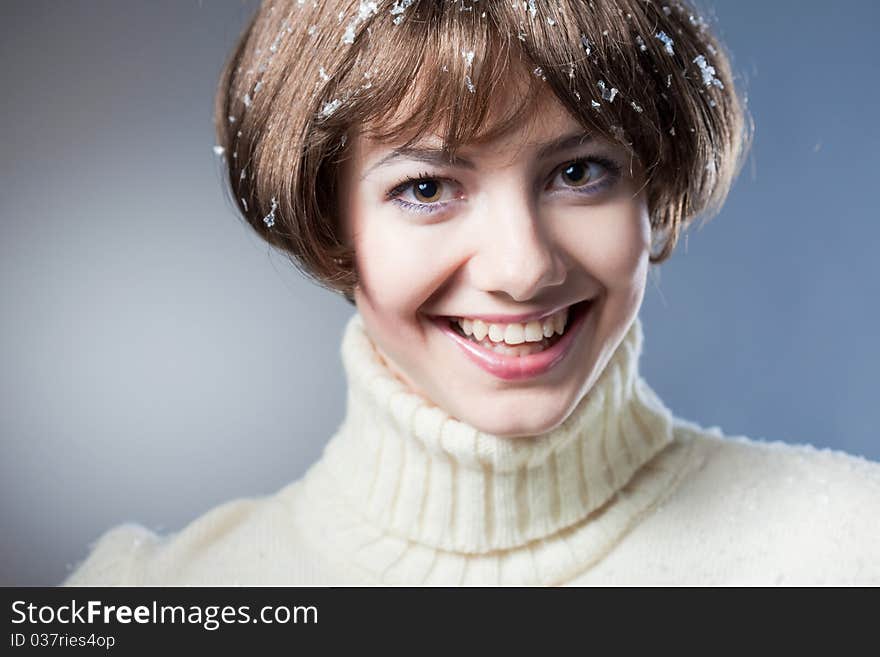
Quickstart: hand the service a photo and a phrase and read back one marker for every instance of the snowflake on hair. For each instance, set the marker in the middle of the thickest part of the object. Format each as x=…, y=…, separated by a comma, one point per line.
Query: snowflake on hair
x=400, y=6
x=585, y=44
x=365, y=10
x=667, y=41
x=607, y=93
x=708, y=72
x=269, y=219
x=329, y=108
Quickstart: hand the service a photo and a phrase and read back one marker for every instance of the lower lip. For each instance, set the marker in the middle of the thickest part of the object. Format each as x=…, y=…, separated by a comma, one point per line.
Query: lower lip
x=514, y=368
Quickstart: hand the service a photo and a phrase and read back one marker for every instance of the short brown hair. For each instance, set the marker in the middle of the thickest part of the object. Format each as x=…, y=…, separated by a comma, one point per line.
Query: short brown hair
x=303, y=74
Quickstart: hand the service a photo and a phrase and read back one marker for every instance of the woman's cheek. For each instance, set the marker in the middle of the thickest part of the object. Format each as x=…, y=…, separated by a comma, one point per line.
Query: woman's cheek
x=397, y=264
x=609, y=242
x=630, y=238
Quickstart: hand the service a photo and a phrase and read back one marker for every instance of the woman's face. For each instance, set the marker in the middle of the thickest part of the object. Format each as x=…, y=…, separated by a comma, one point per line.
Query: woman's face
x=516, y=233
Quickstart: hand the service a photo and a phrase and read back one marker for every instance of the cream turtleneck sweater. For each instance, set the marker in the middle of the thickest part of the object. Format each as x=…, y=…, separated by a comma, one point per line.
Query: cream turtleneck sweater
x=622, y=492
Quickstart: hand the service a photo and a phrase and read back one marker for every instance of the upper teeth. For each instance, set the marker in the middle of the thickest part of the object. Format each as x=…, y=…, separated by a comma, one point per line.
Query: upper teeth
x=517, y=333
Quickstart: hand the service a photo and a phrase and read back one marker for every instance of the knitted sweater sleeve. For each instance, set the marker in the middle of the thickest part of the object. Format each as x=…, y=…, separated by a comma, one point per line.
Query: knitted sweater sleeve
x=113, y=558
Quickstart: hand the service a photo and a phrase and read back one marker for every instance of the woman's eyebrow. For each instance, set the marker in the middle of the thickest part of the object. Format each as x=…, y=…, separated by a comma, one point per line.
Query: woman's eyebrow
x=439, y=157
x=435, y=156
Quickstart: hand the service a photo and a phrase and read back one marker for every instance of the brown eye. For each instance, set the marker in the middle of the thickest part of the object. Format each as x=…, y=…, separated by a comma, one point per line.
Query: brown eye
x=587, y=175
x=427, y=191
x=424, y=193
x=578, y=173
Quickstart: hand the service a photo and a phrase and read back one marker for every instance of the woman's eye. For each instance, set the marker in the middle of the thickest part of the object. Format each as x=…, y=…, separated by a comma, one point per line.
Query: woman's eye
x=427, y=191
x=588, y=175
x=422, y=194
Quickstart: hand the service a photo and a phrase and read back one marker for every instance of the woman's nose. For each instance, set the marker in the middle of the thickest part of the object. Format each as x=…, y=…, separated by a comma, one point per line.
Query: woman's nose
x=516, y=255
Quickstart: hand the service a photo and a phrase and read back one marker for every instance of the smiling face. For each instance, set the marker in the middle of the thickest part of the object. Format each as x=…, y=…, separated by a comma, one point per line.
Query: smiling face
x=542, y=219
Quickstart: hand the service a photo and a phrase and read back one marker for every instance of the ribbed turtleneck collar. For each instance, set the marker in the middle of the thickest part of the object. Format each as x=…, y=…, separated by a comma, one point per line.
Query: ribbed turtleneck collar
x=410, y=470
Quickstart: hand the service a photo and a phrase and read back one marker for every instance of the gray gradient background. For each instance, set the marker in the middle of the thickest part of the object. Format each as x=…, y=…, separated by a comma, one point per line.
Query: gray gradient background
x=158, y=360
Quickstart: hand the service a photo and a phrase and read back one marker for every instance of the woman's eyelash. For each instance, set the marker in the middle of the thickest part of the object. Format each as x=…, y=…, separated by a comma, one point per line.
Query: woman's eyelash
x=608, y=179
x=410, y=180
x=612, y=174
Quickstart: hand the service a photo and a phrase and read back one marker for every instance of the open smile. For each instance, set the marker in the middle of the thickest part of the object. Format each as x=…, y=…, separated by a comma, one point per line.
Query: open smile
x=518, y=351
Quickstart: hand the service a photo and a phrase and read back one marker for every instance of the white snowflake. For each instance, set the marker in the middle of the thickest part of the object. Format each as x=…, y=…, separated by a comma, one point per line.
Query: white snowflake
x=607, y=94
x=708, y=72
x=366, y=9
x=328, y=108
x=399, y=7
x=269, y=219
x=667, y=41
x=585, y=42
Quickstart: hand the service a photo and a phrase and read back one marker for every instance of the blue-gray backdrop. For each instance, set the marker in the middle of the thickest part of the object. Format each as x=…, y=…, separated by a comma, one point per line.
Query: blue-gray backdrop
x=155, y=360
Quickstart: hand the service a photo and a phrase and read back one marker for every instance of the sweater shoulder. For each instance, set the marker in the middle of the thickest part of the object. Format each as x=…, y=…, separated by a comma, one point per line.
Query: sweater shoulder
x=206, y=550
x=112, y=558
x=742, y=458
x=803, y=513
x=219, y=547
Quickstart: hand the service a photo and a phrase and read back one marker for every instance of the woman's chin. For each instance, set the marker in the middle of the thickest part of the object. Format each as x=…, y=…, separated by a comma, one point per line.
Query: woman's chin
x=514, y=430
x=519, y=419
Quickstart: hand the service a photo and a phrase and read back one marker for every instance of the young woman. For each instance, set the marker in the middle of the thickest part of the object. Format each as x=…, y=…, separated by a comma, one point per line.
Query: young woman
x=488, y=183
